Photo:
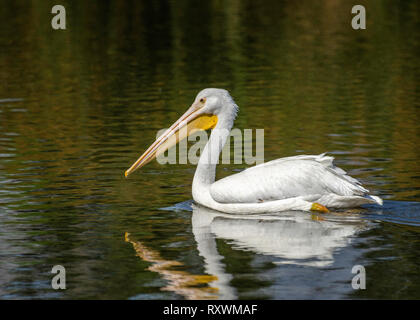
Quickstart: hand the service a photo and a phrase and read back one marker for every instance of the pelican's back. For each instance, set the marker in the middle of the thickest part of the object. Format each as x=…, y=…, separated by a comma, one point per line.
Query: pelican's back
x=311, y=176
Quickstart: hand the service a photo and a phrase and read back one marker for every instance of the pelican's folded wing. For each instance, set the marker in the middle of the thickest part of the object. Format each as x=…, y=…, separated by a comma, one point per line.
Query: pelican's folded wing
x=304, y=175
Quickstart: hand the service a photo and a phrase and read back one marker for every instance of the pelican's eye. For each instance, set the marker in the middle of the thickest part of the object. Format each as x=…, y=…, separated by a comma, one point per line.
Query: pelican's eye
x=203, y=100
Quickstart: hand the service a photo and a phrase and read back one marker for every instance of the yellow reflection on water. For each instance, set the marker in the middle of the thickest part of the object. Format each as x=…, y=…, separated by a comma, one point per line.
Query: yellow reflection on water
x=180, y=282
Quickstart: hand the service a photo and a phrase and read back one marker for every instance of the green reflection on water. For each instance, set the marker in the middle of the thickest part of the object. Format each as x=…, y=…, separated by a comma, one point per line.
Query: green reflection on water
x=91, y=98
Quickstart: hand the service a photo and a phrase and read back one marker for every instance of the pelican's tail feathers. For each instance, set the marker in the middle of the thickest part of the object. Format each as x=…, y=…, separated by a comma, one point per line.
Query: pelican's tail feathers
x=376, y=199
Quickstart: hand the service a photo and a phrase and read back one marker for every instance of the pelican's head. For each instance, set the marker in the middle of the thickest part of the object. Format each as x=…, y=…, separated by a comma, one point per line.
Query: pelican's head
x=209, y=106
x=217, y=101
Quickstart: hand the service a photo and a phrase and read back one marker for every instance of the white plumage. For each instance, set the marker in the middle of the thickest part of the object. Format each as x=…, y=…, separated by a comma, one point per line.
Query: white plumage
x=314, y=177
x=305, y=182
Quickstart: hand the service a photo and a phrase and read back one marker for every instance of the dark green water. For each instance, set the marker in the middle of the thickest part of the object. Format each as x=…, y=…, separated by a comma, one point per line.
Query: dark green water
x=77, y=107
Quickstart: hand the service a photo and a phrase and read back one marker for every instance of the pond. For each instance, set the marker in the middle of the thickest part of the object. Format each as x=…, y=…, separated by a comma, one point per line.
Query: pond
x=78, y=106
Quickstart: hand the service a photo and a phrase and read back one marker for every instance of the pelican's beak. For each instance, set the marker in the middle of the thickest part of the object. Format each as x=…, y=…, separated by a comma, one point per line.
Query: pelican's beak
x=191, y=121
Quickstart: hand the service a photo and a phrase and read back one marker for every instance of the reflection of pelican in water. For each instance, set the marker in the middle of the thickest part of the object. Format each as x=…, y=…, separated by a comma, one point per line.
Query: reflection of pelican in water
x=294, y=237
x=289, y=238
x=293, y=183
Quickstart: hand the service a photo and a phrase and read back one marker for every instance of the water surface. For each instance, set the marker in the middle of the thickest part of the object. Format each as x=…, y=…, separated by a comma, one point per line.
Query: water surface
x=77, y=107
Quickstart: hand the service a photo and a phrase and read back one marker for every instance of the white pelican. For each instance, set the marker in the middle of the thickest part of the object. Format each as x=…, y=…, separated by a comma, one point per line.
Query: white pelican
x=305, y=182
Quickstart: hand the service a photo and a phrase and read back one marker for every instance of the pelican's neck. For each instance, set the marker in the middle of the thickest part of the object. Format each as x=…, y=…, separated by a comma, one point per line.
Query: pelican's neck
x=205, y=173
